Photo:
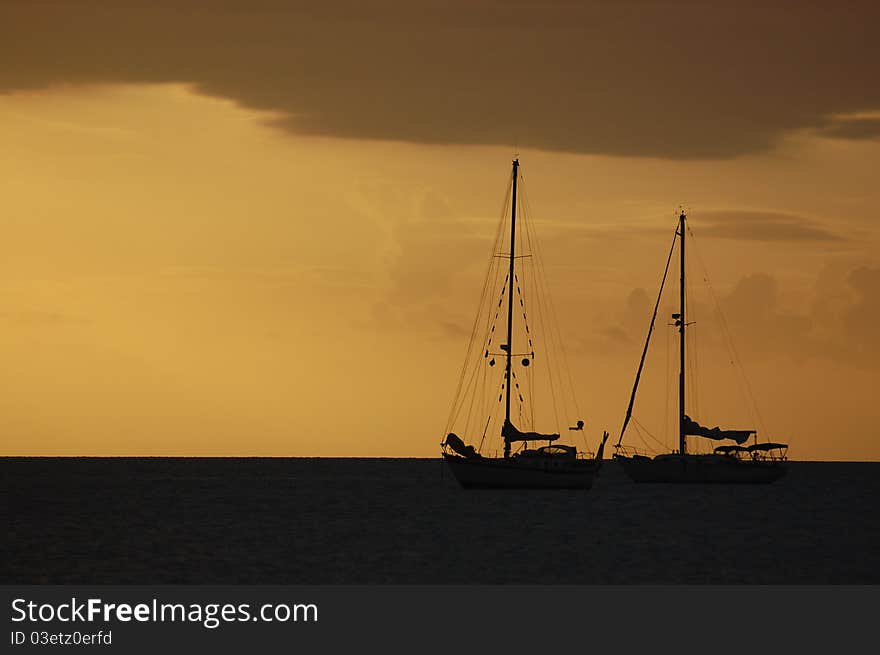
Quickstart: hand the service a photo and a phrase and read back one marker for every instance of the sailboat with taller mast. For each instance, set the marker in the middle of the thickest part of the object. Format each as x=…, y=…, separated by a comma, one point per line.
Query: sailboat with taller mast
x=730, y=462
x=525, y=462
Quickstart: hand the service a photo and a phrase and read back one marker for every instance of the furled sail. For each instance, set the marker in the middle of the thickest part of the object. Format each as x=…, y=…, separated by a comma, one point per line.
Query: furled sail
x=455, y=442
x=510, y=433
x=693, y=428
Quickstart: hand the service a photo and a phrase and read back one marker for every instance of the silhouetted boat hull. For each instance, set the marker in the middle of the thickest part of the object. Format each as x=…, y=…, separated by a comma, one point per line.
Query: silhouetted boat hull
x=700, y=469
x=516, y=473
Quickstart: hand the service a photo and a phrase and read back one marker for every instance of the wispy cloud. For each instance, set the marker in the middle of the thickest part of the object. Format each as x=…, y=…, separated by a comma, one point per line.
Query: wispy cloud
x=857, y=126
x=763, y=226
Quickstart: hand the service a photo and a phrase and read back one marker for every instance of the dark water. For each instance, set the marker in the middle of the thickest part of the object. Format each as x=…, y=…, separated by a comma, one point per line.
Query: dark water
x=328, y=521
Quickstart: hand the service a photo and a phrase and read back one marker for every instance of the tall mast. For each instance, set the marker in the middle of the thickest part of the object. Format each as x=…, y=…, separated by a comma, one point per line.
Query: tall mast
x=507, y=371
x=681, y=441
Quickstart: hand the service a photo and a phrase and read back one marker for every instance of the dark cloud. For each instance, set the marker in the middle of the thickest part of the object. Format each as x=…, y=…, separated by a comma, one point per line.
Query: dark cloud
x=676, y=80
x=853, y=128
x=762, y=226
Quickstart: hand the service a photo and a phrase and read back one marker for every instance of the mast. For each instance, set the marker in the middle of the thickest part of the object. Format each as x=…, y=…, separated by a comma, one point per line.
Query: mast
x=681, y=441
x=507, y=370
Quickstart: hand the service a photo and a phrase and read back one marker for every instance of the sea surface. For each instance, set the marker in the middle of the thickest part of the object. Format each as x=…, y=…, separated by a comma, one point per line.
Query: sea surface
x=406, y=521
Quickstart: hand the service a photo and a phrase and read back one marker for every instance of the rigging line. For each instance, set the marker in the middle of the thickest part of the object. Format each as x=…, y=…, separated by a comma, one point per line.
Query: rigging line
x=477, y=316
x=496, y=267
x=696, y=365
x=546, y=329
x=526, y=324
x=647, y=446
x=467, y=421
x=484, y=391
x=483, y=437
x=470, y=390
x=533, y=282
x=531, y=387
x=526, y=321
x=563, y=352
x=530, y=390
x=668, y=385
x=522, y=289
x=730, y=343
x=546, y=326
x=743, y=385
x=470, y=383
x=689, y=372
x=689, y=357
x=489, y=419
x=523, y=218
x=518, y=388
x=692, y=349
x=560, y=344
x=692, y=409
x=641, y=425
x=647, y=341
x=559, y=341
x=480, y=395
x=674, y=370
x=462, y=395
x=489, y=331
x=496, y=308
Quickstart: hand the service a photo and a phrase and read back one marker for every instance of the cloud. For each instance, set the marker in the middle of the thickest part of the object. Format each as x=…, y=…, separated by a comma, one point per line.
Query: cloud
x=425, y=233
x=857, y=127
x=762, y=226
x=752, y=310
x=678, y=80
x=863, y=317
x=840, y=324
x=835, y=321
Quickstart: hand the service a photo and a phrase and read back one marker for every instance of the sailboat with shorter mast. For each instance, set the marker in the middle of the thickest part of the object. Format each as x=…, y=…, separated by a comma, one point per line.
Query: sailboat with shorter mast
x=550, y=466
x=732, y=462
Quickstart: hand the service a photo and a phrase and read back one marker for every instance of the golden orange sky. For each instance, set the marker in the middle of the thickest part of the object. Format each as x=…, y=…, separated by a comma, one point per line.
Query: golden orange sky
x=222, y=240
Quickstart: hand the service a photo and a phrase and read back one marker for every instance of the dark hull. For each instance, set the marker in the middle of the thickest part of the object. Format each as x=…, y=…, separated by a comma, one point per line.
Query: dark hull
x=497, y=473
x=700, y=469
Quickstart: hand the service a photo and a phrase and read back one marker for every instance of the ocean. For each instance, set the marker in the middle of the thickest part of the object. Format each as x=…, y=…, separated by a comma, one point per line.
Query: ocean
x=406, y=521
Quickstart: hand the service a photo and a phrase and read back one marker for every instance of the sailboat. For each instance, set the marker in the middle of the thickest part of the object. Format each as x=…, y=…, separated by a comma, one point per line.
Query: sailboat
x=729, y=462
x=530, y=459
